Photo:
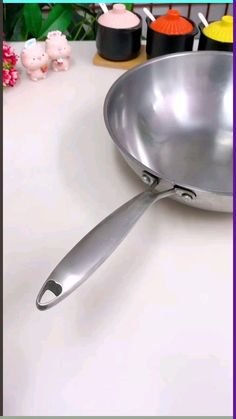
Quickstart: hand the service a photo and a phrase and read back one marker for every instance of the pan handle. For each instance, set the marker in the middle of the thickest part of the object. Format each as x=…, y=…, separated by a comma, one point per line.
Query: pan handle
x=95, y=247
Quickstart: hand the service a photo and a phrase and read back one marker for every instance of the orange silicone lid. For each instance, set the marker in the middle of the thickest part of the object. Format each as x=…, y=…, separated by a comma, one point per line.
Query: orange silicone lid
x=172, y=24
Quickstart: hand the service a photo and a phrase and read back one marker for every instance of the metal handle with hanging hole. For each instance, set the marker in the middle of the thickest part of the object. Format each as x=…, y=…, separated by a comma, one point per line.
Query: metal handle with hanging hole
x=97, y=246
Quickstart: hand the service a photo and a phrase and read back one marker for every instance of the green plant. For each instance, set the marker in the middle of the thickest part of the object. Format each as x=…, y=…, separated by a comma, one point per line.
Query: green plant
x=23, y=21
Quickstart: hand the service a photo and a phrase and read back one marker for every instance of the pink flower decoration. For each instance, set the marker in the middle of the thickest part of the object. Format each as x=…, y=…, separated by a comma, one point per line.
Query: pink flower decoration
x=10, y=74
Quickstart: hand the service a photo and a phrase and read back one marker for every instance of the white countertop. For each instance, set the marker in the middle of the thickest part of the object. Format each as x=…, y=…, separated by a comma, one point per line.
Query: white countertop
x=150, y=333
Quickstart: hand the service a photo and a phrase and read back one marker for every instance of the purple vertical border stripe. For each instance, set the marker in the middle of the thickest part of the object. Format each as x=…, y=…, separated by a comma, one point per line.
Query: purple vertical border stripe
x=234, y=226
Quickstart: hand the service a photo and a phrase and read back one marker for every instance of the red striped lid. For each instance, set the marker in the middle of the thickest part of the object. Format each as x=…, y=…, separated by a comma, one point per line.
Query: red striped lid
x=172, y=24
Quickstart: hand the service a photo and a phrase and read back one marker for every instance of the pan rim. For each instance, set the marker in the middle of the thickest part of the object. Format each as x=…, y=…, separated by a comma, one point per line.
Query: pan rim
x=124, y=151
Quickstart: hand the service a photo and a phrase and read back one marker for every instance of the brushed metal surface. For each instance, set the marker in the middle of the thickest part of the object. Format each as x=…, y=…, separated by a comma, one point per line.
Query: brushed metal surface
x=172, y=118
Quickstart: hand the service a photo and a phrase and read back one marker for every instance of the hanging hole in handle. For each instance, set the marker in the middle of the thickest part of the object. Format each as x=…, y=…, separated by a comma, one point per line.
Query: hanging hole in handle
x=48, y=294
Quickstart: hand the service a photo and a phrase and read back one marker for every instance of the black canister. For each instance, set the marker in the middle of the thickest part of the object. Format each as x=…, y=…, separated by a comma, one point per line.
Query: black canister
x=119, y=44
x=161, y=43
x=206, y=43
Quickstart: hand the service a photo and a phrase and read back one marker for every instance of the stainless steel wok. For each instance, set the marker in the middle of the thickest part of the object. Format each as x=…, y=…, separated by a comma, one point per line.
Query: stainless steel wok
x=171, y=118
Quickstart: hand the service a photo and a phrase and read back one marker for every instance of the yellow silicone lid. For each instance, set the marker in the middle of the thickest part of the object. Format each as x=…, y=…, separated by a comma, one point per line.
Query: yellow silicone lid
x=221, y=30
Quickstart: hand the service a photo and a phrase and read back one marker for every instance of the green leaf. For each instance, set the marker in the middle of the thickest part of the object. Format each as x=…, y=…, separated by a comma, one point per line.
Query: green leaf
x=74, y=25
x=59, y=19
x=86, y=7
x=76, y=19
x=12, y=13
x=33, y=18
x=129, y=6
x=90, y=35
x=20, y=32
x=7, y=66
x=79, y=32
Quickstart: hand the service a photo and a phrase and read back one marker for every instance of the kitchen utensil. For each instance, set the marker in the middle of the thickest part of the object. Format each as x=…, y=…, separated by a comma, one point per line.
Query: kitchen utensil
x=217, y=36
x=172, y=24
x=149, y=14
x=170, y=33
x=119, y=18
x=221, y=30
x=125, y=65
x=118, y=36
x=171, y=118
x=203, y=19
x=103, y=7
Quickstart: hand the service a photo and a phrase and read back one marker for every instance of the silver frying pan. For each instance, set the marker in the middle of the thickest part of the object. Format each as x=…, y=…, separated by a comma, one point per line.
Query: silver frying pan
x=171, y=118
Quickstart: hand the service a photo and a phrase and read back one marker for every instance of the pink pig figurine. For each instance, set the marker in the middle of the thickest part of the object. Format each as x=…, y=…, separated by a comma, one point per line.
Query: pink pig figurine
x=34, y=59
x=58, y=50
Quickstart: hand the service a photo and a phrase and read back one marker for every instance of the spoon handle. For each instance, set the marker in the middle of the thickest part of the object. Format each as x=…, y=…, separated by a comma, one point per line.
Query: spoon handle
x=149, y=14
x=103, y=7
x=203, y=19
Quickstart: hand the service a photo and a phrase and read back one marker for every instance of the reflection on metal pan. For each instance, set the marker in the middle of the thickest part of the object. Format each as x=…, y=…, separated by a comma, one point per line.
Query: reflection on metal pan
x=171, y=118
